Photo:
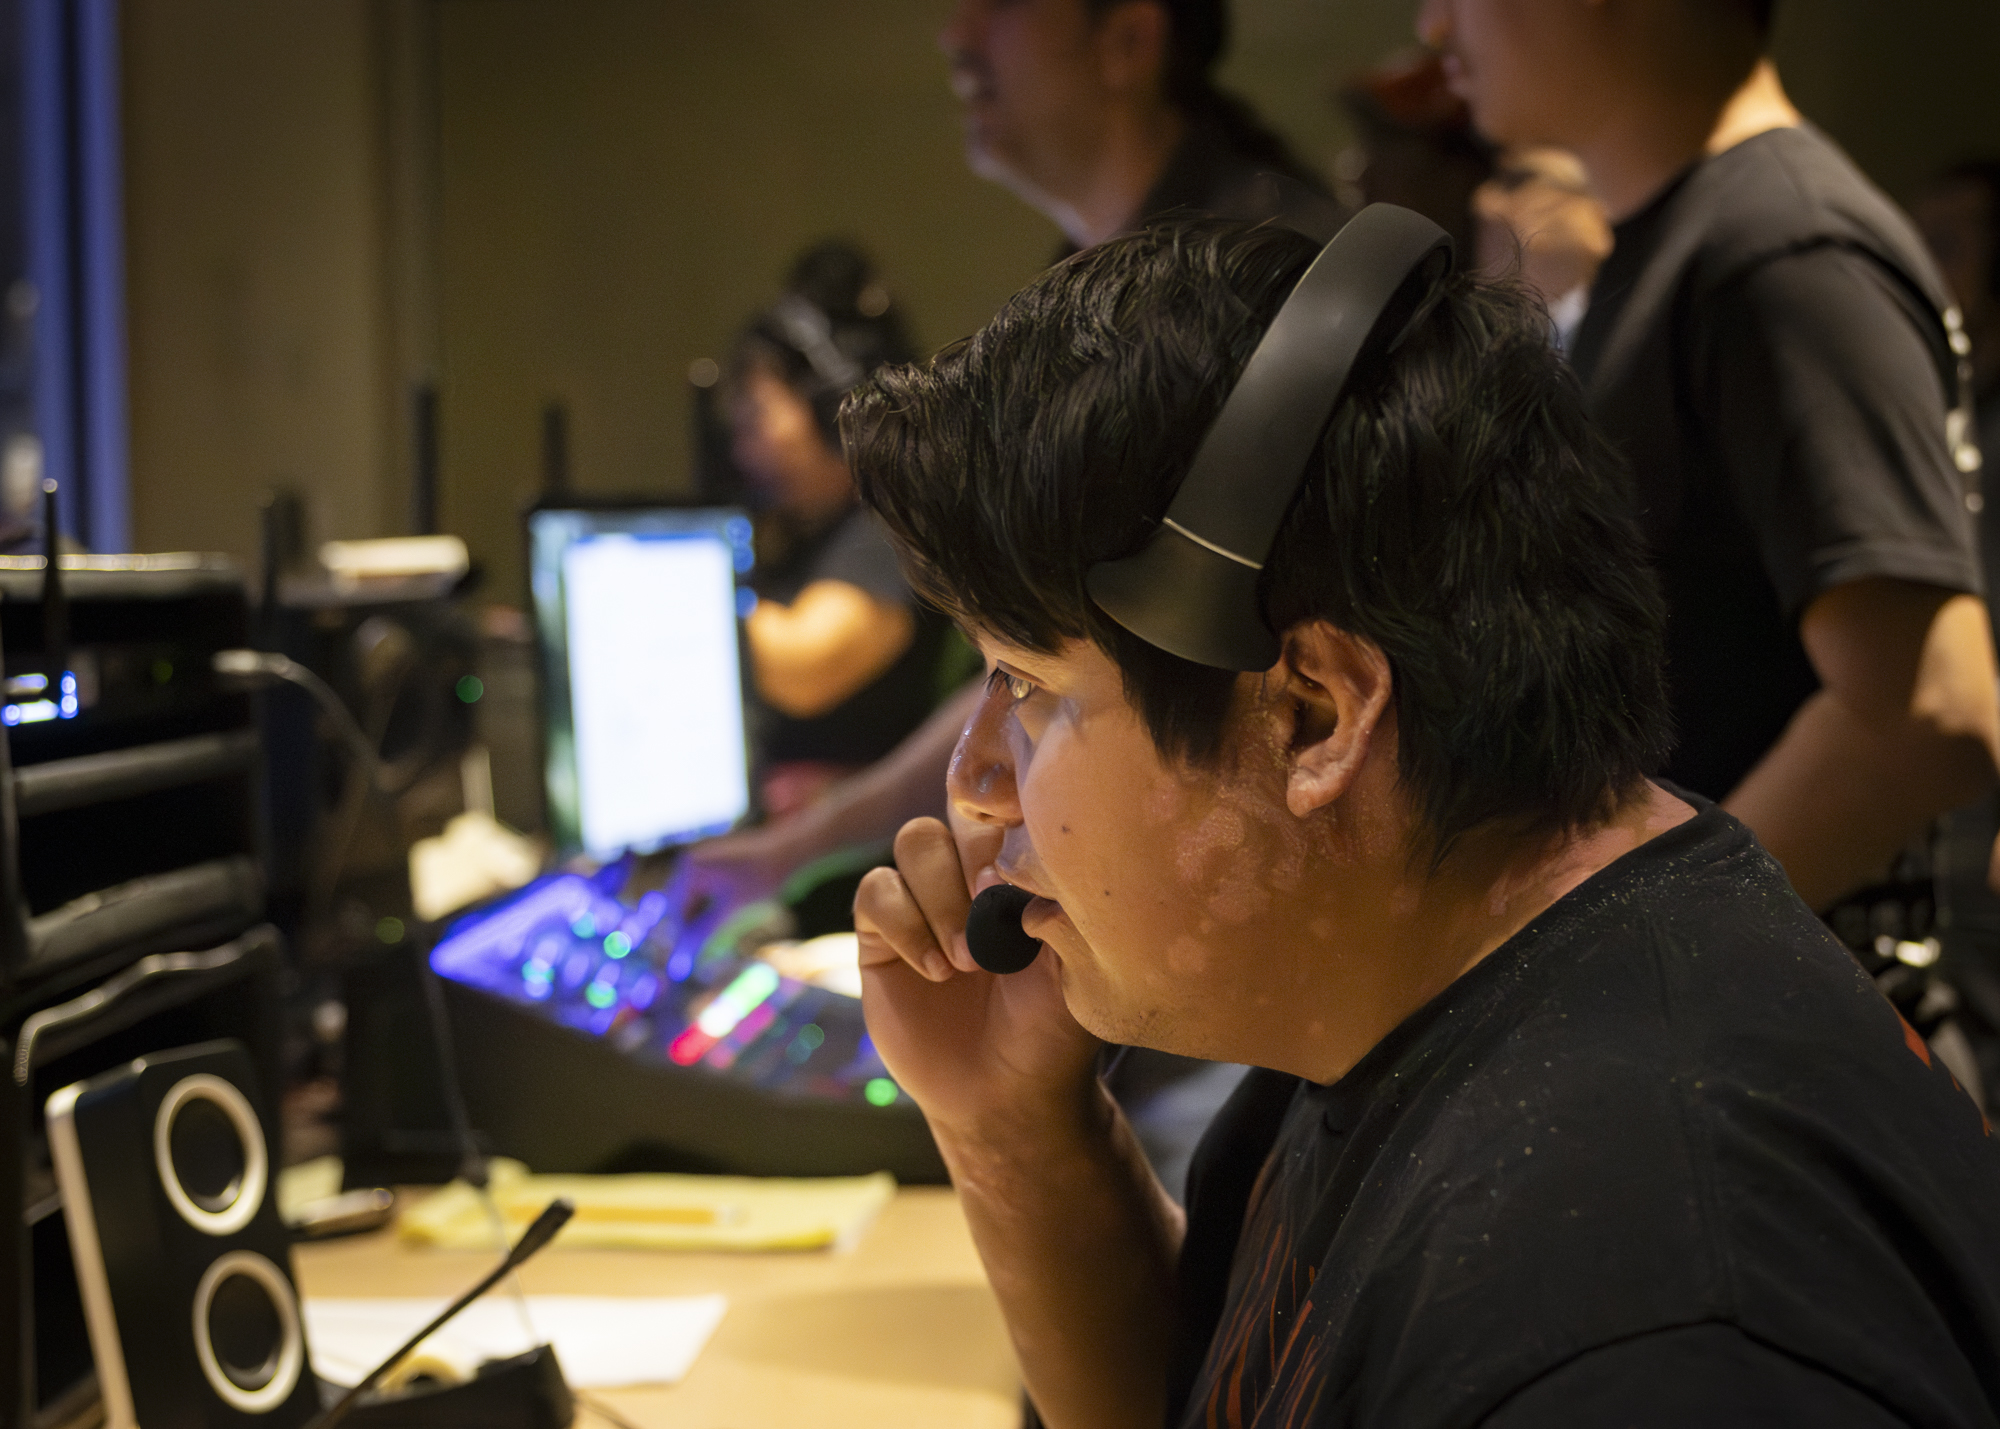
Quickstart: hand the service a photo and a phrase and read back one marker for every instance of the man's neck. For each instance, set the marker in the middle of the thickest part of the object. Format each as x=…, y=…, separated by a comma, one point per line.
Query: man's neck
x=1422, y=932
x=1103, y=195
x=1642, y=145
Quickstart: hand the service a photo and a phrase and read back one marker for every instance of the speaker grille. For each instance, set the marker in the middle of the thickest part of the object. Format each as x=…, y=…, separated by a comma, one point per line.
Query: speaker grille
x=246, y=1332
x=210, y=1154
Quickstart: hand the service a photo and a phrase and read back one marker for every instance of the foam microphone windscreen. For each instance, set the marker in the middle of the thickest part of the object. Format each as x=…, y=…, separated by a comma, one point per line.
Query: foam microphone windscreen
x=993, y=930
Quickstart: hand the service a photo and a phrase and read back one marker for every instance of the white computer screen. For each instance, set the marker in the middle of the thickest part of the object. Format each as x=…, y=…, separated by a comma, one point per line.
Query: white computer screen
x=649, y=669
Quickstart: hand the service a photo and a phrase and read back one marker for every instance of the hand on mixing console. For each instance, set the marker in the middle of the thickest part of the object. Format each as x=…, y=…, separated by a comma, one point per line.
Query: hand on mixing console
x=967, y=1045
x=743, y=867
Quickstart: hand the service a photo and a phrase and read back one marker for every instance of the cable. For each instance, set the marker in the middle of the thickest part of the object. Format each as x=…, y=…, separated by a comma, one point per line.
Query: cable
x=252, y=664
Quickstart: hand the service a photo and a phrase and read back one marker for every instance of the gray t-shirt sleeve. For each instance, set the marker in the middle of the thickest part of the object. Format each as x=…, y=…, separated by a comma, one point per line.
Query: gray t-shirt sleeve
x=1828, y=412
x=859, y=553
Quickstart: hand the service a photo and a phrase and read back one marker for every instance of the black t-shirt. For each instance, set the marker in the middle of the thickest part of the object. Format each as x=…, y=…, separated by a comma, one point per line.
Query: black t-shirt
x=1209, y=175
x=1766, y=345
x=873, y=720
x=1665, y=1158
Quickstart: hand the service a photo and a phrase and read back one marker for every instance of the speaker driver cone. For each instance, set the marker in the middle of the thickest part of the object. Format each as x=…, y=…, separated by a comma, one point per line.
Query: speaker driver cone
x=209, y=1150
x=246, y=1332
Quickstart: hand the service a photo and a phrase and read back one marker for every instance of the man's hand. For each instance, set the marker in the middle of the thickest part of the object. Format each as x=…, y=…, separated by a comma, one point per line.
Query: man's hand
x=1078, y=1238
x=971, y=1047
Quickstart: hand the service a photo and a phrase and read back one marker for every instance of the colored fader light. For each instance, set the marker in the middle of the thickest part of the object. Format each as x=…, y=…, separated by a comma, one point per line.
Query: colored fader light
x=600, y=994
x=616, y=945
x=880, y=1091
x=752, y=987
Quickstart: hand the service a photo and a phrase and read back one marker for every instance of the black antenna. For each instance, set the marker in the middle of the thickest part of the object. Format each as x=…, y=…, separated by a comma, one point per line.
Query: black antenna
x=55, y=604
x=423, y=459
x=555, y=449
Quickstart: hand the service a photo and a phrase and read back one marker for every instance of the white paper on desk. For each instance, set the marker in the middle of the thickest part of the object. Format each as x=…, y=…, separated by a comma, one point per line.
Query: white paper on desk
x=602, y=1341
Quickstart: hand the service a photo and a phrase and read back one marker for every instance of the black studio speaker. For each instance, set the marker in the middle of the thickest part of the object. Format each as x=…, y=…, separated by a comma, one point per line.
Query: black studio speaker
x=169, y=1193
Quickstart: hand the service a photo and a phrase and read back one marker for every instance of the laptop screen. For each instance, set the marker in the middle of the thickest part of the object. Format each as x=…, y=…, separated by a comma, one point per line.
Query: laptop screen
x=638, y=614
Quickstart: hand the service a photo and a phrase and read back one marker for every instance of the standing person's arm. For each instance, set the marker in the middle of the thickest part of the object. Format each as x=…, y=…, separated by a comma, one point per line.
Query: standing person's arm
x=1906, y=725
x=1828, y=407
x=1078, y=1238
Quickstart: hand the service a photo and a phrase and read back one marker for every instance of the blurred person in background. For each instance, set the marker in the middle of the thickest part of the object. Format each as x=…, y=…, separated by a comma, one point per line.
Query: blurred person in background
x=1538, y=220
x=1103, y=113
x=842, y=656
x=1771, y=346
x=1525, y=213
x=1414, y=144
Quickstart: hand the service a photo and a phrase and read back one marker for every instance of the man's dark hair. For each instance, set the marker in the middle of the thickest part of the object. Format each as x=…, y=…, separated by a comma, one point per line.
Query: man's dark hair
x=1461, y=512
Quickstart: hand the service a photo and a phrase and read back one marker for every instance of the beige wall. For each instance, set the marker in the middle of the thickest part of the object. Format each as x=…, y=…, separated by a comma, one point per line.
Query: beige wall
x=254, y=266
x=616, y=184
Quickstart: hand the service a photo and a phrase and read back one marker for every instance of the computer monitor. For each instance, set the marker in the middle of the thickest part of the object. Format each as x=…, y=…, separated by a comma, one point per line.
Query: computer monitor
x=638, y=613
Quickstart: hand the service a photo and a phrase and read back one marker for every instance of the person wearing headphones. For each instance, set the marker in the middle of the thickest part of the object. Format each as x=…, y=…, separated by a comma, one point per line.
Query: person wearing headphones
x=1325, y=683
x=843, y=659
x=1100, y=114
x=1774, y=352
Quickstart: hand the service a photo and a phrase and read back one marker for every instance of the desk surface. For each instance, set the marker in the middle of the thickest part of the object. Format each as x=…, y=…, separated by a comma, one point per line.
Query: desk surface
x=901, y=1331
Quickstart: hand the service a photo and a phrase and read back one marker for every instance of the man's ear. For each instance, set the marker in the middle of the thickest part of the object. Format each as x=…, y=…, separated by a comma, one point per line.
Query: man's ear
x=1336, y=688
x=1133, y=38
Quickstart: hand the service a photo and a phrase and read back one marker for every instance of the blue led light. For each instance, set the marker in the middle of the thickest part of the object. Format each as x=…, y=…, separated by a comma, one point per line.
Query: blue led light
x=746, y=601
x=644, y=990
x=680, y=964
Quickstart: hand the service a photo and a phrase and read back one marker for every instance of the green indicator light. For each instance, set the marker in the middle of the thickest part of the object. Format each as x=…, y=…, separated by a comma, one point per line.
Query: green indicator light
x=471, y=688
x=880, y=1092
x=390, y=930
x=600, y=994
x=163, y=671
x=811, y=1036
x=584, y=927
x=616, y=945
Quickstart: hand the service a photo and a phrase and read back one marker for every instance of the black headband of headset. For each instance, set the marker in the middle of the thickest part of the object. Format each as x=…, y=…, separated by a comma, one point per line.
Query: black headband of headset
x=1192, y=589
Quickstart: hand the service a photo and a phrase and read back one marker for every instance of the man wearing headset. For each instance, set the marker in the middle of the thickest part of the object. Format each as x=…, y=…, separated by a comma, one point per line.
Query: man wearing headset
x=1776, y=355
x=1525, y=1147
x=1100, y=114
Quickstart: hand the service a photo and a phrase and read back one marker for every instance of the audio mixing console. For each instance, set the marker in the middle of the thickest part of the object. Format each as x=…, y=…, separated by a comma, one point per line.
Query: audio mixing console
x=596, y=1030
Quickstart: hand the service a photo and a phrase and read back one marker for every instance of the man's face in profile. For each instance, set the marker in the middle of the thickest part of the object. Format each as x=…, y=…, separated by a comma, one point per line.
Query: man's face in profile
x=1521, y=66
x=1025, y=72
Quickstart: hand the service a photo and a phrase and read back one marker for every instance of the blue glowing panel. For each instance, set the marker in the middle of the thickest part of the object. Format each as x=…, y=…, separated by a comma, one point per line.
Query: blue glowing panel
x=634, y=974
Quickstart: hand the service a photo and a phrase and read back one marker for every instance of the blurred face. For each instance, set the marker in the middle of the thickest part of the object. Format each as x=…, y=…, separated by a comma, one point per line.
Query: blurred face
x=1170, y=896
x=1523, y=66
x=1026, y=73
x=779, y=447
